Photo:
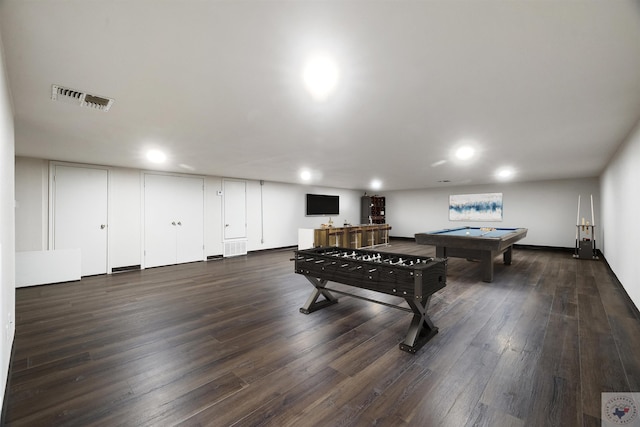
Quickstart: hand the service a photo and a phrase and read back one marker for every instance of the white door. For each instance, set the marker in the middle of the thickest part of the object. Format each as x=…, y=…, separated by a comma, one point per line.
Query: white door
x=80, y=196
x=235, y=209
x=190, y=220
x=159, y=221
x=173, y=219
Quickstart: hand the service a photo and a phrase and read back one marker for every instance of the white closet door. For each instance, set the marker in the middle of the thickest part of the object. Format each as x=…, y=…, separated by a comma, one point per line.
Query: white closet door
x=80, y=214
x=235, y=209
x=173, y=219
x=190, y=215
x=159, y=231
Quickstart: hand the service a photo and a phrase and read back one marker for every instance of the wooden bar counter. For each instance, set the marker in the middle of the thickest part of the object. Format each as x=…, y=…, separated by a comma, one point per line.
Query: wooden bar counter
x=352, y=236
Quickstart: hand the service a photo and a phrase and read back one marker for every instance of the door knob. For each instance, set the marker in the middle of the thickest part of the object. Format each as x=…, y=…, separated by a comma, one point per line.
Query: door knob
x=179, y=223
x=103, y=226
x=226, y=225
x=173, y=223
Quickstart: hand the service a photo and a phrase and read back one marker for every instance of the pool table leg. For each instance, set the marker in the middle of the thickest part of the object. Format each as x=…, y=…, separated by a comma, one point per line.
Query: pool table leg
x=506, y=257
x=486, y=263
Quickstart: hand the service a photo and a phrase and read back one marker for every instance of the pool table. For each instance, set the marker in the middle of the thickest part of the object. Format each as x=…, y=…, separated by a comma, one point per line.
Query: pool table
x=481, y=243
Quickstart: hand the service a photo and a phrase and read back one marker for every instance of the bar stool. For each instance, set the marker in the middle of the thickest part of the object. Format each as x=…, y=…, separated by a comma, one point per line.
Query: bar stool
x=355, y=238
x=336, y=235
x=385, y=234
x=371, y=239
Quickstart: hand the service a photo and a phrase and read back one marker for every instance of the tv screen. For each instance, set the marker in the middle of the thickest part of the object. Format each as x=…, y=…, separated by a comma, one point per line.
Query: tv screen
x=322, y=204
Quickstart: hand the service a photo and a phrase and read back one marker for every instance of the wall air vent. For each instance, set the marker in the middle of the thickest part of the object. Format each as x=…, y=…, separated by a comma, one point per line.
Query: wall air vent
x=234, y=248
x=72, y=96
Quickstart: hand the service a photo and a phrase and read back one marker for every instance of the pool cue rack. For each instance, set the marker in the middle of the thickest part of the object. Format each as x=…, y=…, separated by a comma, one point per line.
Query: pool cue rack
x=585, y=236
x=586, y=243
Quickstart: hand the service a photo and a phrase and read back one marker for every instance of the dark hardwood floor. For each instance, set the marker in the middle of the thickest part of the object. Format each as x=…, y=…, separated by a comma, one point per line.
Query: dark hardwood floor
x=222, y=343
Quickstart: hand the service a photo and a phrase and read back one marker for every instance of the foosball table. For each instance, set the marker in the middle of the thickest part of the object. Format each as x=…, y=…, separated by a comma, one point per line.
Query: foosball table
x=413, y=278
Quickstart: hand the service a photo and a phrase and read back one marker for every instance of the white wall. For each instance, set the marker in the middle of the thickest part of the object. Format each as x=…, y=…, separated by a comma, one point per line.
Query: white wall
x=275, y=211
x=31, y=203
x=284, y=211
x=7, y=225
x=547, y=208
x=620, y=187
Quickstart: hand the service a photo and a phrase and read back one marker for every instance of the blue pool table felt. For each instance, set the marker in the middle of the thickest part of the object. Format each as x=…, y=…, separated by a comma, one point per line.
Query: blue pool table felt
x=474, y=232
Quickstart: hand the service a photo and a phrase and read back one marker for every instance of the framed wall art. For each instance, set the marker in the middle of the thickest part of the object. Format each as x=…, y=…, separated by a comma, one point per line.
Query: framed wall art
x=475, y=207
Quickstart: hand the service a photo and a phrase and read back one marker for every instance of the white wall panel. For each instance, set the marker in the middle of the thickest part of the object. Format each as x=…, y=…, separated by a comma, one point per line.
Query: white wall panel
x=621, y=210
x=52, y=267
x=7, y=225
x=32, y=178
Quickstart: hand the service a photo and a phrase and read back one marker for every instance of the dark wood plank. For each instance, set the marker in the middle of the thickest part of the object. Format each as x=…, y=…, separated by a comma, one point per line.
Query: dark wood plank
x=407, y=391
x=457, y=392
x=345, y=403
x=556, y=393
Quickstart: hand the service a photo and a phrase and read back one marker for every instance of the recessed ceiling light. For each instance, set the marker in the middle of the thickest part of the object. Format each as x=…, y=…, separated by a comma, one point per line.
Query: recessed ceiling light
x=376, y=184
x=156, y=156
x=320, y=76
x=465, y=152
x=505, y=173
x=305, y=175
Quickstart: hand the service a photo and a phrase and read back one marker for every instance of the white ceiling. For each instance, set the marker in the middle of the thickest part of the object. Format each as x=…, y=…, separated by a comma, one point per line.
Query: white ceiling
x=550, y=88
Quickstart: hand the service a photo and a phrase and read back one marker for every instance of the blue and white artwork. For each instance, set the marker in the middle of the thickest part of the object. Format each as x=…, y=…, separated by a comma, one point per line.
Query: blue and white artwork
x=475, y=207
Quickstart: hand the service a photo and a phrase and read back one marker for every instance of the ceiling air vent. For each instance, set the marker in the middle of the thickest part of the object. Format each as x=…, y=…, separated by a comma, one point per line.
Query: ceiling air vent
x=72, y=96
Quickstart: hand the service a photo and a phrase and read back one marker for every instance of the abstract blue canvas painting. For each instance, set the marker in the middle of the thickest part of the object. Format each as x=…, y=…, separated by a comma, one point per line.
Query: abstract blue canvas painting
x=475, y=207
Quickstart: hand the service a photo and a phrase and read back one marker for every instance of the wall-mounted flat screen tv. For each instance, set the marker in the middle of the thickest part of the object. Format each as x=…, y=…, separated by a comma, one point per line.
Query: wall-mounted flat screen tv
x=322, y=204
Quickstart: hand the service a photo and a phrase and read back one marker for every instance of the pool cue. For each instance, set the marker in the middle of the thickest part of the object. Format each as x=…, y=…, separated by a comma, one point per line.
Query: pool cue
x=577, y=227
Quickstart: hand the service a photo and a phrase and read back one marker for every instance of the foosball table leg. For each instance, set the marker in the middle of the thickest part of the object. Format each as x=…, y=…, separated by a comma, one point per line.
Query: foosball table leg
x=312, y=303
x=421, y=329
